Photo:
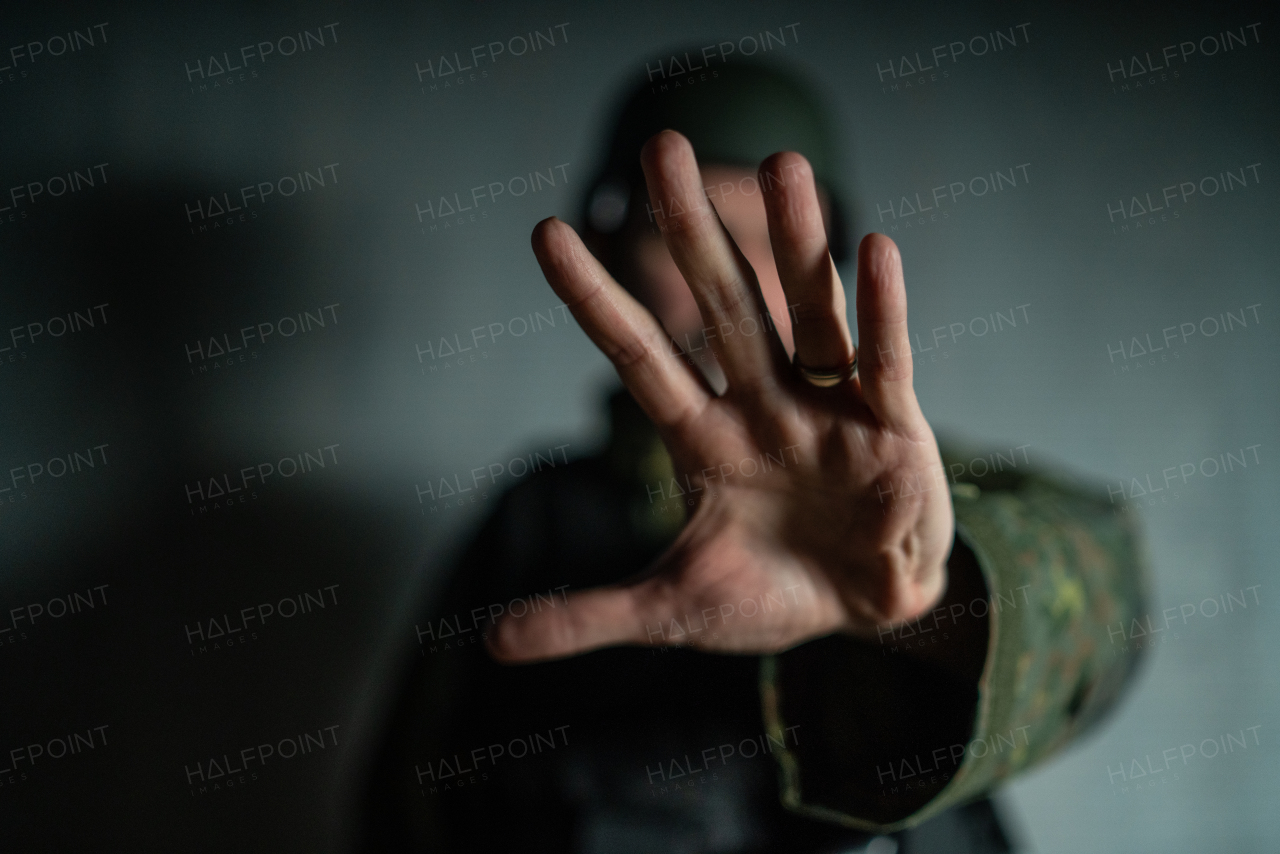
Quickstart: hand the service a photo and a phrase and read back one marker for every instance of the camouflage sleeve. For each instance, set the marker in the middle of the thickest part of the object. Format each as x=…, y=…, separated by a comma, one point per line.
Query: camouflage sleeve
x=883, y=741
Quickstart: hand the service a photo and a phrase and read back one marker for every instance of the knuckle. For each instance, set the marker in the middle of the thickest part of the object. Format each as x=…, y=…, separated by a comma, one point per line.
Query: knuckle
x=628, y=352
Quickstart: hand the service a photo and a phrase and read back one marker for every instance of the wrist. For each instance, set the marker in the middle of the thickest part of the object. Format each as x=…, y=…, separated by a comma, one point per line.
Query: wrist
x=953, y=634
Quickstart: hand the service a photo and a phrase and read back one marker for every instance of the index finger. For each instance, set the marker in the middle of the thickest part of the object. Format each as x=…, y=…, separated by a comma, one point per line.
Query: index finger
x=624, y=330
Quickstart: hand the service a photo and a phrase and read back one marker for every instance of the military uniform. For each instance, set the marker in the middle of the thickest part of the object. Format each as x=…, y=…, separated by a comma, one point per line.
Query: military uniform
x=819, y=748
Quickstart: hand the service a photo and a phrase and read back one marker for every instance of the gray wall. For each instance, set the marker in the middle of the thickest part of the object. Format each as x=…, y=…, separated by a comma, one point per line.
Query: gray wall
x=1067, y=379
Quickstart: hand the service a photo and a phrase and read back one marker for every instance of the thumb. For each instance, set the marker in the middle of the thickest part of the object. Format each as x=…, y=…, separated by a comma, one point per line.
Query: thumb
x=591, y=619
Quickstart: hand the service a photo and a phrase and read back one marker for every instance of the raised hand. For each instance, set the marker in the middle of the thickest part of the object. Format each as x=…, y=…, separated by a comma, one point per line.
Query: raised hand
x=853, y=530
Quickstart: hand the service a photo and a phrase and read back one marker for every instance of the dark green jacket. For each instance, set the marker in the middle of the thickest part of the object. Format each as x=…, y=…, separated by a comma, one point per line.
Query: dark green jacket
x=863, y=736
x=1061, y=566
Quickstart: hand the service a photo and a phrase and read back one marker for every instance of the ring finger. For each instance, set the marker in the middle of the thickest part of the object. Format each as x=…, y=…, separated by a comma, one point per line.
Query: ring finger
x=814, y=292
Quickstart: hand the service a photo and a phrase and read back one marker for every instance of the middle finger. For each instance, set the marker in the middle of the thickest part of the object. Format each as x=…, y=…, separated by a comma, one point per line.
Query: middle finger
x=737, y=321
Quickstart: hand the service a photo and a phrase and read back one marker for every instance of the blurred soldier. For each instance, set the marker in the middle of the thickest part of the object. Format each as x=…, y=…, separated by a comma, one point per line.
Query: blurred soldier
x=770, y=615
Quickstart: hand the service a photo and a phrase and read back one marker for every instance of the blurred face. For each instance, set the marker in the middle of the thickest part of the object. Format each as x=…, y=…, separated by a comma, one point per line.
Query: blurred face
x=736, y=195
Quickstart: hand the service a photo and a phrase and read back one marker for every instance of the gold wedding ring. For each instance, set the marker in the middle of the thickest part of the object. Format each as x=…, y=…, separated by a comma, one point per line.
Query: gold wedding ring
x=826, y=377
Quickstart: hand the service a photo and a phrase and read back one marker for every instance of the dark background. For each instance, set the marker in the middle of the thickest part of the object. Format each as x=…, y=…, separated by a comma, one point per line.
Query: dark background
x=1061, y=380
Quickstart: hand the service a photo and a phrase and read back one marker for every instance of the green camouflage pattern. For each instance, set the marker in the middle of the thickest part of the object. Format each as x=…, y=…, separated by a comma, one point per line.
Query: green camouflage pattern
x=1052, y=669
x=1060, y=567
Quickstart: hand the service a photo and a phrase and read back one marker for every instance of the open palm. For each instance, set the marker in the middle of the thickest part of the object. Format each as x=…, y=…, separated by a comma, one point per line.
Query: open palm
x=818, y=509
